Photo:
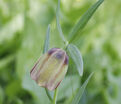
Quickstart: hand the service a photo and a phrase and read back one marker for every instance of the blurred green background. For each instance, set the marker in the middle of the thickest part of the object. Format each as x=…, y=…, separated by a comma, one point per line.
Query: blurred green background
x=23, y=25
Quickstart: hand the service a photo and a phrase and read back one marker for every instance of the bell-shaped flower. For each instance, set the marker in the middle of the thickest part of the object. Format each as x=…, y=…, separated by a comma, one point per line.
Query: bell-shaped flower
x=50, y=69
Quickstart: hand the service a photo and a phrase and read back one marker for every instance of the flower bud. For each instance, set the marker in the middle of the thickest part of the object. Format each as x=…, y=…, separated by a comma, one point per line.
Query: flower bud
x=50, y=69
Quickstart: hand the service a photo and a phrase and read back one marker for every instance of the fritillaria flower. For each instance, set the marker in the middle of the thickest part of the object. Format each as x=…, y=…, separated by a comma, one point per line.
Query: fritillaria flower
x=50, y=69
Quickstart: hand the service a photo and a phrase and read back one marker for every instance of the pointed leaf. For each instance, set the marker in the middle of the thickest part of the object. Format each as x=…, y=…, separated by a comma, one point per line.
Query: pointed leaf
x=84, y=19
x=77, y=57
x=58, y=23
x=46, y=44
x=79, y=94
x=45, y=49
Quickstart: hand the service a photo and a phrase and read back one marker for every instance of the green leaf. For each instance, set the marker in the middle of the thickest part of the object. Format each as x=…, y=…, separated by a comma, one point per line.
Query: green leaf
x=46, y=48
x=36, y=91
x=58, y=23
x=79, y=94
x=10, y=34
x=1, y=95
x=13, y=88
x=68, y=86
x=46, y=44
x=76, y=56
x=5, y=61
x=84, y=20
x=8, y=31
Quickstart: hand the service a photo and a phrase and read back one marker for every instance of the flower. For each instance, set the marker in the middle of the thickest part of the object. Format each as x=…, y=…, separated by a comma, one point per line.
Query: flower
x=50, y=69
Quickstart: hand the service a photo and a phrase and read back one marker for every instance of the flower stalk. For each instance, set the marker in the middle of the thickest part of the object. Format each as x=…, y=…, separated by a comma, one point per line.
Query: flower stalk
x=55, y=96
x=48, y=94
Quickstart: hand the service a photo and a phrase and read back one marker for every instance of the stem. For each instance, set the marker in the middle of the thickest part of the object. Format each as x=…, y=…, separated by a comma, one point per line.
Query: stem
x=65, y=45
x=48, y=94
x=55, y=96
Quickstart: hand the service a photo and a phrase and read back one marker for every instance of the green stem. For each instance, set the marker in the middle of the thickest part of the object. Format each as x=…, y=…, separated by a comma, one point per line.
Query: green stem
x=65, y=45
x=48, y=94
x=55, y=96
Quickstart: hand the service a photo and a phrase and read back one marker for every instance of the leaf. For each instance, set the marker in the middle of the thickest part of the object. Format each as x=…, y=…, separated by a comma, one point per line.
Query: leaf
x=10, y=34
x=5, y=61
x=84, y=20
x=46, y=47
x=77, y=57
x=46, y=44
x=8, y=31
x=78, y=96
x=68, y=85
x=58, y=23
x=1, y=95
x=13, y=88
x=36, y=91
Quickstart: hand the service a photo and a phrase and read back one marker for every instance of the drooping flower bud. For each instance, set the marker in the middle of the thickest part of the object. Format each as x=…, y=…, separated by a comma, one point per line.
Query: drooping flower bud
x=50, y=69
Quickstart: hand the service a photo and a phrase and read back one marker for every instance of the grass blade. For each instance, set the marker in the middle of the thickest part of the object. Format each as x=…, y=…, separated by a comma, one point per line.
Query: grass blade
x=77, y=57
x=58, y=23
x=45, y=49
x=46, y=44
x=79, y=94
x=84, y=20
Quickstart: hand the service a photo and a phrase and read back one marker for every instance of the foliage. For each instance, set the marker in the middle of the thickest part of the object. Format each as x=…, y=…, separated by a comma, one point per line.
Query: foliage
x=23, y=25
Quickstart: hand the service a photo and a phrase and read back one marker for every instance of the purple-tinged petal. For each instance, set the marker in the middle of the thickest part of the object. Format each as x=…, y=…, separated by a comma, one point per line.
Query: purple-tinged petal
x=50, y=69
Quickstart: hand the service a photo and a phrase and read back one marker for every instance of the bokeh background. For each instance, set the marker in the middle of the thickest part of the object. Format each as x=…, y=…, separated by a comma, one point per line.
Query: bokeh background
x=23, y=25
